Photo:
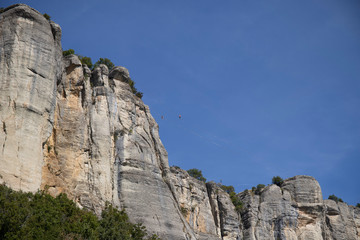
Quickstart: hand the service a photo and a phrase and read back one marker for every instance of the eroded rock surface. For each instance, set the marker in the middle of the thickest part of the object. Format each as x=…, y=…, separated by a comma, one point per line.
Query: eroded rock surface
x=30, y=63
x=68, y=129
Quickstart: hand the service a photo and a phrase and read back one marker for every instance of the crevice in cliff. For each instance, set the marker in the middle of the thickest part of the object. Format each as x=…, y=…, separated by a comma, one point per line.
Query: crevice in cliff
x=35, y=72
x=4, y=127
x=5, y=132
x=212, y=205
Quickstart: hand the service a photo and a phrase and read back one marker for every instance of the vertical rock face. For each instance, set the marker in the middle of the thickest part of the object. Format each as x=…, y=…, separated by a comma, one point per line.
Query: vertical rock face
x=30, y=63
x=105, y=147
x=342, y=221
x=70, y=130
x=227, y=220
x=192, y=198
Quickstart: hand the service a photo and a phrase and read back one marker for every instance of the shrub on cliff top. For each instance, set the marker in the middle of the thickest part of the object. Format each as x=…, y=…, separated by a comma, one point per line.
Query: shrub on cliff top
x=358, y=205
x=335, y=198
x=105, y=61
x=234, y=199
x=47, y=16
x=258, y=189
x=277, y=180
x=228, y=189
x=68, y=52
x=196, y=173
x=86, y=61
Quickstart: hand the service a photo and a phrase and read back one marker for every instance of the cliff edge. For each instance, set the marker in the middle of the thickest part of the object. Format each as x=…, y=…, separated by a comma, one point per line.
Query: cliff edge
x=71, y=130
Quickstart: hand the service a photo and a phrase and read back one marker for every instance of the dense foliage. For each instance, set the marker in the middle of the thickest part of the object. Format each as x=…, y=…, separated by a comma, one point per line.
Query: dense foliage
x=358, y=205
x=277, y=180
x=335, y=198
x=40, y=216
x=68, y=52
x=86, y=61
x=47, y=16
x=105, y=61
x=196, y=173
x=234, y=199
x=258, y=188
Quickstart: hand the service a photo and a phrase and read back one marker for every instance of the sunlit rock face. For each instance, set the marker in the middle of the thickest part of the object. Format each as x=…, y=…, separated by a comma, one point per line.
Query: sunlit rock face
x=67, y=129
x=30, y=64
x=105, y=147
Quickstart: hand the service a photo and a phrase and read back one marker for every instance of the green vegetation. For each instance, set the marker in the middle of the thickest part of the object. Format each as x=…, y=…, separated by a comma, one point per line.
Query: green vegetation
x=196, y=173
x=234, y=199
x=47, y=16
x=229, y=189
x=133, y=88
x=40, y=216
x=86, y=61
x=358, y=205
x=105, y=61
x=277, y=180
x=335, y=198
x=257, y=189
x=68, y=52
x=2, y=10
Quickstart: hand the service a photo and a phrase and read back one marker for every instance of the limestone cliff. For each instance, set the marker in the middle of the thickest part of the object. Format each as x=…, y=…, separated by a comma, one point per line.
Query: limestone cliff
x=68, y=129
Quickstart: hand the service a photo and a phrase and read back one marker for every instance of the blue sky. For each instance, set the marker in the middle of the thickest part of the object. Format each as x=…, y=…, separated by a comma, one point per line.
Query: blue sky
x=264, y=88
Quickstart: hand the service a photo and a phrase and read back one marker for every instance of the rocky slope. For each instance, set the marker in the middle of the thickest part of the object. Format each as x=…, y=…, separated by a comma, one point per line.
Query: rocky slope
x=67, y=129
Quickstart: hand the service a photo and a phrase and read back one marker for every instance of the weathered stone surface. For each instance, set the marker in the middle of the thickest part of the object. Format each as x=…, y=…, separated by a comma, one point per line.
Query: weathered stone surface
x=119, y=73
x=69, y=129
x=341, y=221
x=30, y=50
x=227, y=220
x=294, y=211
x=192, y=198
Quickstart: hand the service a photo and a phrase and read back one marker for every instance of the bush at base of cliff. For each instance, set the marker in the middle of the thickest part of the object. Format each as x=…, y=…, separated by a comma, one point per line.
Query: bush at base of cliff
x=40, y=216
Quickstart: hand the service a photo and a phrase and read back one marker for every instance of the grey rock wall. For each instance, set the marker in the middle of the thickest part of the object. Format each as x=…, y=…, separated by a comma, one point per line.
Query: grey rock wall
x=30, y=63
x=71, y=130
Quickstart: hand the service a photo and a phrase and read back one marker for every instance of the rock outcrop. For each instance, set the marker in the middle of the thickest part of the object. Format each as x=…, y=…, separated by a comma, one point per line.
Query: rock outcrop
x=31, y=65
x=71, y=130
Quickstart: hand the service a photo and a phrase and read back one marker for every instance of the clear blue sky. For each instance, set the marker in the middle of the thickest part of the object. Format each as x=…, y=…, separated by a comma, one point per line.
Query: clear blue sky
x=264, y=88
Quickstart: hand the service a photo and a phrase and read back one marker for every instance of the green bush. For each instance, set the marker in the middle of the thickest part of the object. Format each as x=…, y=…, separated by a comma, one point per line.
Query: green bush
x=196, y=173
x=258, y=189
x=40, y=216
x=105, y=61
x=228, y=189
x=86, y=61
x=47, y=16
x=234, y=199
x=335, y=198
x=358, y=205
x=68, y=52
x=277, y=180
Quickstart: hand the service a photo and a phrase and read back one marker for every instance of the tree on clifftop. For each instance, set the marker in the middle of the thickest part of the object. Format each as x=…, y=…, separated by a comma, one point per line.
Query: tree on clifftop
x=105, y=61
x=196, y=173
x=277, y=180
